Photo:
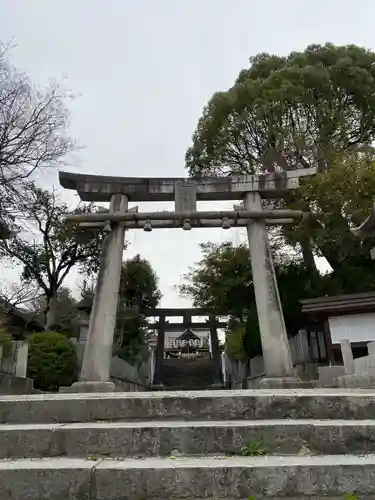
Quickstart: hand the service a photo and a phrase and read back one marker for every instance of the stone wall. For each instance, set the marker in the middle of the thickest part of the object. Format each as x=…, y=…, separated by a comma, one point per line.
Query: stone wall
x=10, y=384
x=123, y=385
x=127, y=378
x=13, y=371
x=364, y=364
x=247, y=375
x=16, y=363
x=354, y=373
x=359, y=372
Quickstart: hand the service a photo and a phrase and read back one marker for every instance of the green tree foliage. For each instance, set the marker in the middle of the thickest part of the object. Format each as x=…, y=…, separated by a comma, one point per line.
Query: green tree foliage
x=87, y=292
x=131, y=334
x=288, y=112
x=242, y=340
x=139, y=290
x=52, y=361
x=66, y=313
x=139, y=284
x=338, y=199
x=222, y=282
x=49, y=248
x=234, y=342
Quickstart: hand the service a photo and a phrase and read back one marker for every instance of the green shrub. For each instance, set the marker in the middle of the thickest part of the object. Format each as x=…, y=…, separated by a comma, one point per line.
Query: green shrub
x=242, y=340
x=234, y=342
x=52, y=361
x=6, y=343
x=252, y=449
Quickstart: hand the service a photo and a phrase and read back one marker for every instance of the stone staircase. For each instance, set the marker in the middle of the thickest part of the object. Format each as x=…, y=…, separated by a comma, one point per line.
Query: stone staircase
x=188, y=374
x=317, y=444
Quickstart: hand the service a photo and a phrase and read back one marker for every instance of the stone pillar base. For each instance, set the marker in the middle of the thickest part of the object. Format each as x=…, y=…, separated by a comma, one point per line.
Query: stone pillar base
x=353, y=381
x=285, y=383
x=91, y=387
x=158, y=387
x=217, y=387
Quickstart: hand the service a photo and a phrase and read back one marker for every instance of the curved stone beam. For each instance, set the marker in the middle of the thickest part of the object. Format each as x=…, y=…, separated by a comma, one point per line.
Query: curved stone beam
x=367, y=228
x=101, y=188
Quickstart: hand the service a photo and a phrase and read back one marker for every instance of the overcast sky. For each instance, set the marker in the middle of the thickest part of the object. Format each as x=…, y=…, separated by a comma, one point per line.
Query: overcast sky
x=143, y=70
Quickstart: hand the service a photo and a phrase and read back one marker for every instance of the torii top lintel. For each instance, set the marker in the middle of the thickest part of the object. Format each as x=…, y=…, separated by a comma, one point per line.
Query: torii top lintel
x=101, y=188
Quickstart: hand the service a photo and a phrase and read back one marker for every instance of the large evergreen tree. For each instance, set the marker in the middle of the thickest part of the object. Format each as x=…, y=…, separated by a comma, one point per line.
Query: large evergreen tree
x=314, y=108
x=288, y=112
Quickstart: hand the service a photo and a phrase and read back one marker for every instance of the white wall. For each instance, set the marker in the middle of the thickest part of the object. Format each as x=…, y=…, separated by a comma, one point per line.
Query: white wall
x=356, y=328
x=170, y=336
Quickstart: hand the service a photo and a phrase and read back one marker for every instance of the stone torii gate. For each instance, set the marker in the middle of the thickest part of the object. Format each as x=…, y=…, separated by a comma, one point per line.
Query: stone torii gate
x=118, y=191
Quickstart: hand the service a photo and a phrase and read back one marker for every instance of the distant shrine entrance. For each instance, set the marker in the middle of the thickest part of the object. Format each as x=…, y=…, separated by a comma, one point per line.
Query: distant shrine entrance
x=195, y=344
x=188, y=343
x=249, y=190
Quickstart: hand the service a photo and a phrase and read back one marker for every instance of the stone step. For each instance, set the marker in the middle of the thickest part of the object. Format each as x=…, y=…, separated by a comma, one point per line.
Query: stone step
x=173, y=372
x=189, y=387
x=176, y=373
x=185, y=384
x=194, y=405
x=187, y=376
x=199, y=377
x=174, y=384
x=170, y=438
x=271, y=478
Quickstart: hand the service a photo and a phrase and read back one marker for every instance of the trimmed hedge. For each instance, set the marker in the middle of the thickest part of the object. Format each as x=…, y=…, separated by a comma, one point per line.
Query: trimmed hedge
x=52, y=361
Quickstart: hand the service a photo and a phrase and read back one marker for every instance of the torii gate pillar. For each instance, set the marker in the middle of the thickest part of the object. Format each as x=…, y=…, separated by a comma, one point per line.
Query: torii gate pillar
x=95, y=371
x=275, y=345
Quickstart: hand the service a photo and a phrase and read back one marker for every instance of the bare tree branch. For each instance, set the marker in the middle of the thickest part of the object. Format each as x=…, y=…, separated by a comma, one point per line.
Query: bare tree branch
x=33, y=124
x=16, y=294
x=49, y=248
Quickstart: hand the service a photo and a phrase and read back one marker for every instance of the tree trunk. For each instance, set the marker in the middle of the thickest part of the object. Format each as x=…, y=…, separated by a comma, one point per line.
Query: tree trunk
x=51, y=313
x=308, y=257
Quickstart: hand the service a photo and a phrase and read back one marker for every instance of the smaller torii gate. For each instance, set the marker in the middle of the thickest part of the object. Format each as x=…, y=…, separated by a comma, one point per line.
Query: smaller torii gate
x=162, y=326
x=185, y=193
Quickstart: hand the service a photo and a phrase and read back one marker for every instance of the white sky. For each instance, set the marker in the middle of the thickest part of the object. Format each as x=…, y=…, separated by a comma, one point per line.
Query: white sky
x=143, y=70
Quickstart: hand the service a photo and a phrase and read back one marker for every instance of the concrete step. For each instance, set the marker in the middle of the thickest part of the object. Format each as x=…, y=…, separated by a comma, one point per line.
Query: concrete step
x=161, y=438
x=194, y=405
x=271, y=478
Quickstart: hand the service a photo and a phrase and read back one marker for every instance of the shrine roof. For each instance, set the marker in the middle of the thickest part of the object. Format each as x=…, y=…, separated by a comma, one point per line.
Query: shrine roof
x=355, y=303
